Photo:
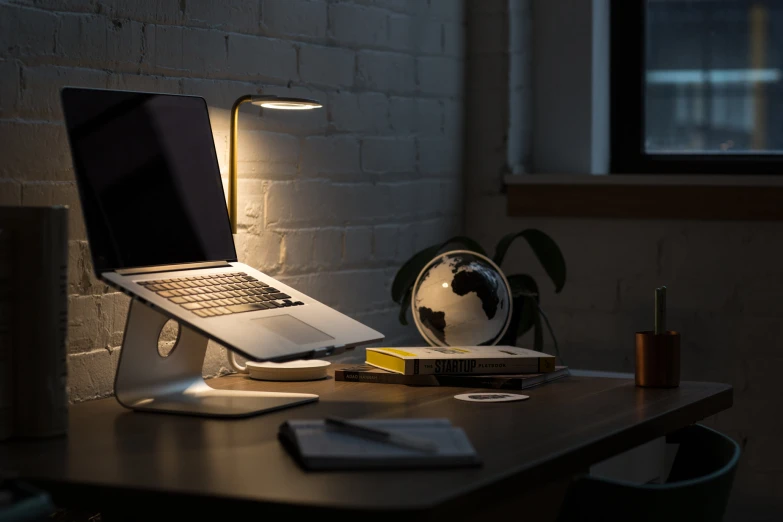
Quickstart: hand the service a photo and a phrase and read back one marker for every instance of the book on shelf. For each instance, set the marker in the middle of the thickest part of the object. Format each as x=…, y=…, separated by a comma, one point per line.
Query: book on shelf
x=439, y=360
x=371, y=374
x=33, y=321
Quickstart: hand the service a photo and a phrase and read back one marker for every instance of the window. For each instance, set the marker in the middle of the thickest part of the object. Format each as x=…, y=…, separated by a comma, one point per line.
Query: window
x=697, y=86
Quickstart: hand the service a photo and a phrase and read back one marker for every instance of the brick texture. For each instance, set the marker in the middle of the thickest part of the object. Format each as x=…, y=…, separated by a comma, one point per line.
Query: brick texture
x=331, y=201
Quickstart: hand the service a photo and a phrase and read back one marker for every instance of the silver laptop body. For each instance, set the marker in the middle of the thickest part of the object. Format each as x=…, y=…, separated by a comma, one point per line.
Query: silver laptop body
x=158, y=227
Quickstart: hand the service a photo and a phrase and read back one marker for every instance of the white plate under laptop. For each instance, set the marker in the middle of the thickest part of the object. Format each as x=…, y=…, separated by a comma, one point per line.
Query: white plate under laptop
x=158, y=228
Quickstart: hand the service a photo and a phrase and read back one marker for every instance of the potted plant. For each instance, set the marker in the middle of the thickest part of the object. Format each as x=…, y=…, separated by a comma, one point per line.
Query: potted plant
x=526, y=299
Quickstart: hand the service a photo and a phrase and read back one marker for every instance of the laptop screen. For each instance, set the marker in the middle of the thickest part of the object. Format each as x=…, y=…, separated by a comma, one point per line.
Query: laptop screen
x=148, y=178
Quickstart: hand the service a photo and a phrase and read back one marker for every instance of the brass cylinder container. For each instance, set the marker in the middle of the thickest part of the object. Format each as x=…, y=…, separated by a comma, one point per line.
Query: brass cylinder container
x=658, y=359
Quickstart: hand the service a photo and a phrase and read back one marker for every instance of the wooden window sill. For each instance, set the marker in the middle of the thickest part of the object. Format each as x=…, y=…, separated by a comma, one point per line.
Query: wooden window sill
x=758, y=198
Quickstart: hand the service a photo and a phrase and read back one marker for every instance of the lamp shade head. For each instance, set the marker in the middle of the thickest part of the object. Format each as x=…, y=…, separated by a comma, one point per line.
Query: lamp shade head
x=290, y=104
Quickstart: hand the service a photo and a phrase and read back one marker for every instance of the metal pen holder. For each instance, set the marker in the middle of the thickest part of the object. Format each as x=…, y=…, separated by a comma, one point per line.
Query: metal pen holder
x=658, y=359
x=658, y=351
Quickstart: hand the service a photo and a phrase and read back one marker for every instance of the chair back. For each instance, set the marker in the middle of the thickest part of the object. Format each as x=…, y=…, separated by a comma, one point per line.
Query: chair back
x=697, y=489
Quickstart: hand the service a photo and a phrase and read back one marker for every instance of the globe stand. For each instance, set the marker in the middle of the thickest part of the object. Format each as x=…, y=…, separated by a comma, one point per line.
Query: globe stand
x=148, y=381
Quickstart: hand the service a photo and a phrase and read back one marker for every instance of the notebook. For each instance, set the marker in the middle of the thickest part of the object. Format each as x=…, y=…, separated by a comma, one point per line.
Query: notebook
x=318, y=447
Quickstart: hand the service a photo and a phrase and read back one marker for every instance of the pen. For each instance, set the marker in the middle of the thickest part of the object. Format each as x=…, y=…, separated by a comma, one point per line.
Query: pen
x=397, y=439
x=660, y=310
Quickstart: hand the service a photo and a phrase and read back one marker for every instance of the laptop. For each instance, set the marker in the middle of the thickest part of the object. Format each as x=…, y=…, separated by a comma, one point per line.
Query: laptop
x=158, y=228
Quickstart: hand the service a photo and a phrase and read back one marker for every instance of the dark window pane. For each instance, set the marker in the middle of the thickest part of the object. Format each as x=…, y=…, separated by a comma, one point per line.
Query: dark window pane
x=713, y=76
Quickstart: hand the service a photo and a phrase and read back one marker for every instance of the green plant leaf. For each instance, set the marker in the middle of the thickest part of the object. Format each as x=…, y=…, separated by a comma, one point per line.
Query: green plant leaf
x=523, y=284
x=408, y=273
x=538, y=333
x=527, y=314
x=544, y=248
x=406, y=303
x=551, y=332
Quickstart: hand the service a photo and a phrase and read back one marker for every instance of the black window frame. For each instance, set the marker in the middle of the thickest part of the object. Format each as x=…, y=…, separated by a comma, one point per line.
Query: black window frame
x=627, y=110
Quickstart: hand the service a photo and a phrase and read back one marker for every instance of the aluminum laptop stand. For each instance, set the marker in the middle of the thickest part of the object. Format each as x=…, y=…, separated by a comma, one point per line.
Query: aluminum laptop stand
x=147, y=381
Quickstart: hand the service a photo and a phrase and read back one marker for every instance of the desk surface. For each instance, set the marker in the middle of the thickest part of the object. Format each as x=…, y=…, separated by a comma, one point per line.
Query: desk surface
x=115, y=454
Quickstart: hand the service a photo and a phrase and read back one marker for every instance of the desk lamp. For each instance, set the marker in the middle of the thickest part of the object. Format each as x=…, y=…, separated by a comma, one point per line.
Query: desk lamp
x=268, y=102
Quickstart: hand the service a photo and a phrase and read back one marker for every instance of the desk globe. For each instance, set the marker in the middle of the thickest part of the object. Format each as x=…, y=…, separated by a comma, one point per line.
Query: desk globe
x=461, y=298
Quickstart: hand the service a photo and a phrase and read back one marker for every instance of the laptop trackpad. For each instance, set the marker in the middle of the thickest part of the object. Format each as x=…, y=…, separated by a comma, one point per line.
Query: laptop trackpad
x=293, y=329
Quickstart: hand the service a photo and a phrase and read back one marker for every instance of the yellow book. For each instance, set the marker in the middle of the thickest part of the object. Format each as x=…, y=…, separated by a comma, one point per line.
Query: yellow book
x=441, y=360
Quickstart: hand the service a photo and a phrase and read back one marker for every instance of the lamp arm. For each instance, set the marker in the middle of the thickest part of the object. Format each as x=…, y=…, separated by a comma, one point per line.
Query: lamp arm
x=232, y=162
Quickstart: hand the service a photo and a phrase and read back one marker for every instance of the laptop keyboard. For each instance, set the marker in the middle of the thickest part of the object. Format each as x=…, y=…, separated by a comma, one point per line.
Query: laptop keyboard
x=220, y=294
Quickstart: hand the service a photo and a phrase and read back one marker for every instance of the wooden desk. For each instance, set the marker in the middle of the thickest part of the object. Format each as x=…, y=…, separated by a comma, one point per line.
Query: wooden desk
x=115, y=459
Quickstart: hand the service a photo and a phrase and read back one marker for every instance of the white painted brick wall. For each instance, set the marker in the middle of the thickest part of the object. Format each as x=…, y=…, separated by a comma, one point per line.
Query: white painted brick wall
x=331, y=201
x=724, y=278
x=359, y=25
x=394, y=71
x=329, y=66
x=381, y=155
x=364, y=112
x=295, y=17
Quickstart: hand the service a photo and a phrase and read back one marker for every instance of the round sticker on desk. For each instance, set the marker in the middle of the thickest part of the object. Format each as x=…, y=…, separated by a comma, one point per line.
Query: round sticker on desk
x=491, y=397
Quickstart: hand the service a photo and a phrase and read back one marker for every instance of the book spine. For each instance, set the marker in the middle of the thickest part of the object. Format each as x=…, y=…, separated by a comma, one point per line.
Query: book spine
x=39, y=337
x=482, y=366
x=495, y=383
x=385, y=378
x=381, y=378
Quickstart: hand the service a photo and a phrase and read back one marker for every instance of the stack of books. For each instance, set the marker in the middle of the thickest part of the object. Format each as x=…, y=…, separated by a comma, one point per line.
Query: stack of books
x=494, y=367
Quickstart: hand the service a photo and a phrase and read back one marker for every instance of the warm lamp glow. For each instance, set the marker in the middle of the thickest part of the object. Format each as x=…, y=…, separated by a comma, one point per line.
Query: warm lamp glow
x=289, y=104
x=268, y=102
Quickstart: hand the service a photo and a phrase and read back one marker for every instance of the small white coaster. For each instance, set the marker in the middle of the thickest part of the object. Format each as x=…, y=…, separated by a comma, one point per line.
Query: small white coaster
x=491, y=397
